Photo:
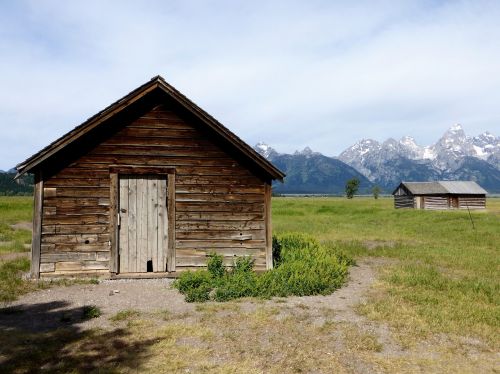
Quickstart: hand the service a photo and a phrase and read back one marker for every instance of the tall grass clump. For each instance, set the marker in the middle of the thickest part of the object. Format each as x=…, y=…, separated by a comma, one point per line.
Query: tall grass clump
x=11, y=283
x=301, y=267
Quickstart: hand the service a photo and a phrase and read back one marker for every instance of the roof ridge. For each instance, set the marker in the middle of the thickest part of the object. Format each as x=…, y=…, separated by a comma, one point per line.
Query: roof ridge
x=156, y=82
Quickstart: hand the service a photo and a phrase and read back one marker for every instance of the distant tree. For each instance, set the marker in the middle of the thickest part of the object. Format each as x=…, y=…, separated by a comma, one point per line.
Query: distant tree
x=351, y=187
x=376, y=192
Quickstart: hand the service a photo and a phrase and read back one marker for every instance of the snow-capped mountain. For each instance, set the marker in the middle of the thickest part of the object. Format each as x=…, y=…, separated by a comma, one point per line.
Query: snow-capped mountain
x=311, y=172
x=265, y=150
x=445, y=155
x=382, y=162
x=455, y=156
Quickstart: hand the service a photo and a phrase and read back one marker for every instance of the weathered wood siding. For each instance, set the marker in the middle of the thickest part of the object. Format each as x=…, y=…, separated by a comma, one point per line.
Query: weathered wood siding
x=143, y=227
x=219, y=204
x=435, y=202
x=472, y=202
x=403, y=201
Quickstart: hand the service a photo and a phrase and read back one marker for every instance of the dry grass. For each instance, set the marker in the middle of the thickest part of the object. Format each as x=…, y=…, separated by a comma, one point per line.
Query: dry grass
x=243, y=338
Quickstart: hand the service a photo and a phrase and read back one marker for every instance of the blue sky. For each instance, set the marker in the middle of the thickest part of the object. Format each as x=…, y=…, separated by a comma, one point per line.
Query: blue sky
x=322, y=74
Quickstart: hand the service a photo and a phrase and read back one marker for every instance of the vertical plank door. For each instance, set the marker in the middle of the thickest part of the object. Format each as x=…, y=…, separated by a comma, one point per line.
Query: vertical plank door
x=143, y=223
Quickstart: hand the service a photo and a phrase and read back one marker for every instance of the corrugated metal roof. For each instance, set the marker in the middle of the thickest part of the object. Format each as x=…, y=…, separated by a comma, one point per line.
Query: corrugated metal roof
x=444, y=187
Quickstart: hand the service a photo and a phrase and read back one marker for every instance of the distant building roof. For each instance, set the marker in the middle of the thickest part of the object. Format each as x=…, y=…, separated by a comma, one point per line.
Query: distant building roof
x=443, y=187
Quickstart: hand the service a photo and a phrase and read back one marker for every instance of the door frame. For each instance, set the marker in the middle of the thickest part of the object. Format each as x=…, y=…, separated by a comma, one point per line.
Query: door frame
x=114, y=173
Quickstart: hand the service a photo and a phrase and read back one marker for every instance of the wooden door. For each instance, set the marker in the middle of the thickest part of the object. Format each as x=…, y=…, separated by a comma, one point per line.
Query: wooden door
x=419, y=202
x=143, y=226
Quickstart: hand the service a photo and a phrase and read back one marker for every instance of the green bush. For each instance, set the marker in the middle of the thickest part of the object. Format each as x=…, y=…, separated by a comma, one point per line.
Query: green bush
x=190, y=280
x=307, y=268
x=198, y=294
x=244, y=264
x=236, y=285
x=302, y=267
x=91, y=311
x=276, y=251
x=215, y=265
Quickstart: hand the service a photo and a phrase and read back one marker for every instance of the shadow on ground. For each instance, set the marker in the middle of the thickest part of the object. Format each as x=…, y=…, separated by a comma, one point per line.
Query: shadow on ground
x=48, y=337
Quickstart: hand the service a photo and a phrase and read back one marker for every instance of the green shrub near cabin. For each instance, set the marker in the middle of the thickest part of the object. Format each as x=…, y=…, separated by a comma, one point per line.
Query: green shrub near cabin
x=302, y=267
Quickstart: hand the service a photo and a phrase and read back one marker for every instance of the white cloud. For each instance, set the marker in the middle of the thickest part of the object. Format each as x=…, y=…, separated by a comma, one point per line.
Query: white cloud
x=318, y=73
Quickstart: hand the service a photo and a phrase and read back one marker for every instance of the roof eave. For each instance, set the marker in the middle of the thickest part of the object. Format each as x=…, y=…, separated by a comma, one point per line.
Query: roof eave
x=272, y=170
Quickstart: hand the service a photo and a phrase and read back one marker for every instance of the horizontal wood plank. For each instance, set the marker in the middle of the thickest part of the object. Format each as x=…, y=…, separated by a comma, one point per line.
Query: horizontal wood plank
x=211, y=225
x=74, y=229
x=220, y=235
x=81, y=265
x=221, y=243
x=197, y=207
x=68, y=256
x=194, y=217
x=218, y=202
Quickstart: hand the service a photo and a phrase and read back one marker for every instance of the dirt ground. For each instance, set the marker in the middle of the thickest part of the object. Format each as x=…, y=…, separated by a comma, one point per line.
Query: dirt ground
x=13, y=255
x=150, y=295
x=319, y=334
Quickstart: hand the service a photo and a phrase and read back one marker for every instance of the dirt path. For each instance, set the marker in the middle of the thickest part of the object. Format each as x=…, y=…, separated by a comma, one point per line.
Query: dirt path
x=361, y=278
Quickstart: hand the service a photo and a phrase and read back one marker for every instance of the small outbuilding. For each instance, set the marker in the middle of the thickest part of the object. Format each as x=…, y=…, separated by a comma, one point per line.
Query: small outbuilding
x=440, y=195
x=148, y=187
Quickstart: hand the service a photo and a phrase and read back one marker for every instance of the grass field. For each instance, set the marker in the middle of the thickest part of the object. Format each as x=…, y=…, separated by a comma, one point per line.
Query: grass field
x=436, y=299
x=14, y=210
x=446, y=276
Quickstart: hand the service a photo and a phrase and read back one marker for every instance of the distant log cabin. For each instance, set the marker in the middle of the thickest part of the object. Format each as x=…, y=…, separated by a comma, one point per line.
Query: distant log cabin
x=148, y=187
x=440, y=195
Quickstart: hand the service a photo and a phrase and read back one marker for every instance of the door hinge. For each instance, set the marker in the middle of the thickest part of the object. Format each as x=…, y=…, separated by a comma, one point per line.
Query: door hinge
x=119, y=219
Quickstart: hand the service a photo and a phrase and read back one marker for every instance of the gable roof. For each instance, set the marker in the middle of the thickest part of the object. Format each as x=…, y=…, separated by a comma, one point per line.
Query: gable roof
x=443, y=187
x=155, y=83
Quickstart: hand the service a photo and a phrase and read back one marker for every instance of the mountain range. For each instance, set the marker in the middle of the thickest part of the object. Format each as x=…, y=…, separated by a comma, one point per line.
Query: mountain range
x=455, y=156
x=311, y=172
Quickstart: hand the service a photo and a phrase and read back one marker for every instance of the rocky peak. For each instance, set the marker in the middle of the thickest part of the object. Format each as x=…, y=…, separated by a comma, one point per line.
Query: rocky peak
x=306, y=152
x=455, y=134
x=486, y=139
x=409, y=142
x=265, y=150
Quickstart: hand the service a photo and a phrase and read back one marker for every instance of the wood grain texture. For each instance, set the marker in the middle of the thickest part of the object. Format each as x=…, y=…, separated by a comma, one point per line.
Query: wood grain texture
x=132, y=222
x=171, y=232
x=114, y=190
x=123, y=210
x=162, y=226
x=211, y=198
x=268, y=228
x=37, y=226
x=144, y=229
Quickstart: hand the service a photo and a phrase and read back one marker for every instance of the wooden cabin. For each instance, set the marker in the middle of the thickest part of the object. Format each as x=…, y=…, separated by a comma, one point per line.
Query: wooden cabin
x=148, y=187
x=440, y=195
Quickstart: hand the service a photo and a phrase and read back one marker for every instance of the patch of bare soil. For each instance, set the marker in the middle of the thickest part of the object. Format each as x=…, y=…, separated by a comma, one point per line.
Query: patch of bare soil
x=315, y=334
x=13, y=255
x=149, y=295
x=374, y=244
x=25, y=225
x=110, y=296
